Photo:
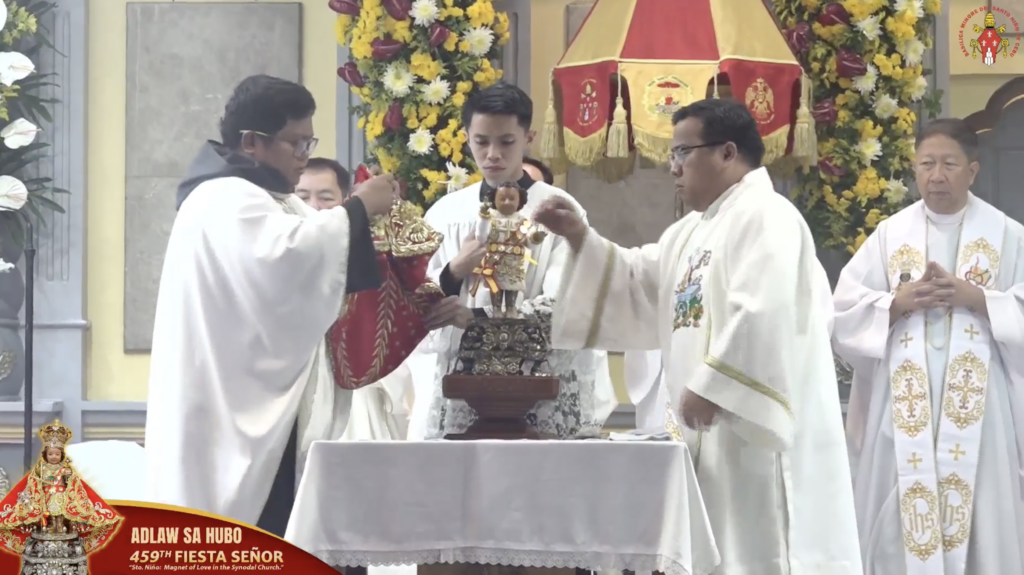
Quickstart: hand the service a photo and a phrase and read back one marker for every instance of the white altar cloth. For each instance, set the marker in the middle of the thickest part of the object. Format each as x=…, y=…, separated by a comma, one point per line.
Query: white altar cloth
x=591, y=504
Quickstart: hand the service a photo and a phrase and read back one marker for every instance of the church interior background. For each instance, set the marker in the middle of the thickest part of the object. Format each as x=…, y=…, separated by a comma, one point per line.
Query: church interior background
x=142, y=83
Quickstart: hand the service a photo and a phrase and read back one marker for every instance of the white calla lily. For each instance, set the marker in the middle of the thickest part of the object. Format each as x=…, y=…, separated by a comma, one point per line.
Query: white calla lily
x=14, y=66
x=13, y=193
x=5, y=266
x=19, y=133
x=3, y=15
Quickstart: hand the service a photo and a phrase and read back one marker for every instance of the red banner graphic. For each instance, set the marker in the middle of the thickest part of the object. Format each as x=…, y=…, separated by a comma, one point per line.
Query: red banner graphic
x=159, y=538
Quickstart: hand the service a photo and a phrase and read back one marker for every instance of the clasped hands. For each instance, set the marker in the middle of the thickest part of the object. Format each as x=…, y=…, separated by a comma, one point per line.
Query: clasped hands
x=937, y=288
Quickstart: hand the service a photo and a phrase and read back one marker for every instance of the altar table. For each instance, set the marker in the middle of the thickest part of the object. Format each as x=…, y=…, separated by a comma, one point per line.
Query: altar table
x=590, y=504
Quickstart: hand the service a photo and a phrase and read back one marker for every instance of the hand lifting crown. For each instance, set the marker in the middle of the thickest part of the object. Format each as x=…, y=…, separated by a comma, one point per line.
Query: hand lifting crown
x=55, y=434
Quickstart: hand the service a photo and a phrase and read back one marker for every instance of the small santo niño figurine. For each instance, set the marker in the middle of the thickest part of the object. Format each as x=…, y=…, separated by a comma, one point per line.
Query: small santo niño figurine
x=507, y=235
x=52, y=498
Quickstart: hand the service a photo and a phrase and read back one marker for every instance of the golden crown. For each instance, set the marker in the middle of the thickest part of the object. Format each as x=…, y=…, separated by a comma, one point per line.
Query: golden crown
x=55, y=434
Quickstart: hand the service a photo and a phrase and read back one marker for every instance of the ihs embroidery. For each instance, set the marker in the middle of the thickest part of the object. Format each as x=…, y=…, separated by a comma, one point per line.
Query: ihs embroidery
x=689, y=302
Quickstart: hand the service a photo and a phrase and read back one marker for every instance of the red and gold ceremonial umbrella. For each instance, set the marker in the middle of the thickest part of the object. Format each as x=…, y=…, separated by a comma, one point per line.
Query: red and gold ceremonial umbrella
x=635, y=62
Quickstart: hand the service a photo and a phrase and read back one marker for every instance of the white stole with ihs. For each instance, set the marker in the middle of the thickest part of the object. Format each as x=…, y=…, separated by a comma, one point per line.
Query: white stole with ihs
x=937, y=472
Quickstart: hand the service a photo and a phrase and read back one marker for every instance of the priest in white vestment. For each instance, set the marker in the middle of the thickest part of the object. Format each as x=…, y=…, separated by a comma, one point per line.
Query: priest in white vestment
x=732, y=297
x=497, y=124
x=930, y=314
x=252, y=279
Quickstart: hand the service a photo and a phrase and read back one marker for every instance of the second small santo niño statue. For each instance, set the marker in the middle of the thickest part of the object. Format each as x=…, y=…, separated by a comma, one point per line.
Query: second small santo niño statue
x=507, y=235
x=52, y=499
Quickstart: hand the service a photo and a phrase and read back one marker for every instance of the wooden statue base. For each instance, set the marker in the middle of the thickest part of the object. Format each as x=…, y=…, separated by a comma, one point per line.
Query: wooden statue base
x=501, y=403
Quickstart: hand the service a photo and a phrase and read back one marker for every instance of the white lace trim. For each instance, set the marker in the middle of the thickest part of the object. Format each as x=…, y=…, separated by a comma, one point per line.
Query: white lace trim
x=573, y=412
x=639, y=564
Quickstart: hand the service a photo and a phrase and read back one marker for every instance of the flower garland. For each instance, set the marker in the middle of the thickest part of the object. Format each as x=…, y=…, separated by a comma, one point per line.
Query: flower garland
x=864, y=58
x=413, y=64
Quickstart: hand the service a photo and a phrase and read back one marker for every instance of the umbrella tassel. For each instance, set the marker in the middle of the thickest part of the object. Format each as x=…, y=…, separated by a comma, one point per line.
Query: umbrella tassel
x=549, y=149
x=805, y=139
x=618, y=133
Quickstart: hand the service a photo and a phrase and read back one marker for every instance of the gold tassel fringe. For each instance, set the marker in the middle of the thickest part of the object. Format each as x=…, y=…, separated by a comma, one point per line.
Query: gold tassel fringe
x=805, y=140
x=549, y=140
x=775, y=145
x=584, y=151
x=618, y=133
x=654, y=148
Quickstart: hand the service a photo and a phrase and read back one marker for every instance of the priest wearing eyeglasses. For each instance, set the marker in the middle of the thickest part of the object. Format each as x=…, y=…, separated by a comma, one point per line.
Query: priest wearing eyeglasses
x=252, y=280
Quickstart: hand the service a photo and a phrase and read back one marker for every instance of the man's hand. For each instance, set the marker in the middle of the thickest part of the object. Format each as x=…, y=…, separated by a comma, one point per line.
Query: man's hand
x=956, y=292
x=449, y=311
x=470, y=256
x=914, y=296
x=559, y=215
x=378, y=194
x=698, y=413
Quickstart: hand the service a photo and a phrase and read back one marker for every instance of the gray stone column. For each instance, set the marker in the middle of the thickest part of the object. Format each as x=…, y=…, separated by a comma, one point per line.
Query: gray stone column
x=59, y=363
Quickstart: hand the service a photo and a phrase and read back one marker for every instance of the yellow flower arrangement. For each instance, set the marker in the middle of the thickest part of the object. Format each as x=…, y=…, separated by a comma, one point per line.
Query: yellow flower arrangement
x=864, y=58
x=413, y=63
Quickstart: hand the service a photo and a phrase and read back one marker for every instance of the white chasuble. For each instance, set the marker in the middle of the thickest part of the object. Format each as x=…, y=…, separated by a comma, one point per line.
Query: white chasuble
x=937, y=464
x=250, y=285
x=734, y=298
x=934, y=425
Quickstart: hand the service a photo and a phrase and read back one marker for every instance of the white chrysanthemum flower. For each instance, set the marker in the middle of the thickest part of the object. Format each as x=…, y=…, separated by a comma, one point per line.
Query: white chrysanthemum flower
x=398, y=80
x=436, y=92
x=19, y=133
x=420, y=142
x=14, y=66
x=918, y=89
x=480, y=41
x=866, y=84
x=915, y=7
x=869, y=150
x=13, y=194
x=886, y=106
x=871, y=27
x=424, y=12
x=912, y=51
x=895, y=191
x=458, y=177
x=4, y=266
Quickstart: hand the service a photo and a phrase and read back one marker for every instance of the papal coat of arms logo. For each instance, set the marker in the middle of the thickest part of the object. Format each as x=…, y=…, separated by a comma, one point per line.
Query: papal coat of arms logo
x=666, y=94
x=760, y=100
x=689, y=301
x=589, y=103
x=992, y=38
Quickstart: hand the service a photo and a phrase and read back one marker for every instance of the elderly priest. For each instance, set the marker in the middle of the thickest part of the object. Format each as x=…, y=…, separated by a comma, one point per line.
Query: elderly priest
x=930, y=314
x=732, y=294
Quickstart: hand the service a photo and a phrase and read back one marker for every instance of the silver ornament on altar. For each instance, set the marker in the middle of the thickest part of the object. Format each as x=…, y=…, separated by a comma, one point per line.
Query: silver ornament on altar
x=54, y=554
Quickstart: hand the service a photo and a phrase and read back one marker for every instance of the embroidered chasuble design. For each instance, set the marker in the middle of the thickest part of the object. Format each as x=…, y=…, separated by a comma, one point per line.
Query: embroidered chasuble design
x=689, y=296
x=937, y=465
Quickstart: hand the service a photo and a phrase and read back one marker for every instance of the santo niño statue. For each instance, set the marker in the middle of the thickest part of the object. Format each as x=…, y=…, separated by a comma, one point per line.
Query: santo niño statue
x=53, y=500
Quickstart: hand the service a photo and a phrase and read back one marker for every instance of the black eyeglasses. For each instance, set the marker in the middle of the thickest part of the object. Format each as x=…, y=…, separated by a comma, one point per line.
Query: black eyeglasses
x=679, y=153
x=303, y=148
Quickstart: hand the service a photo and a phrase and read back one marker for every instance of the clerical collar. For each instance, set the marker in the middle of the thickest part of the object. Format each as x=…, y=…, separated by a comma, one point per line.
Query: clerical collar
x=524, y=182
x=937, y=218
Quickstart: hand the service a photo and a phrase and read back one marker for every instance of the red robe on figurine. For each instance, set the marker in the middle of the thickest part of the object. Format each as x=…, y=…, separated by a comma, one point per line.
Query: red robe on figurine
x=393, y=314
x=52, y=498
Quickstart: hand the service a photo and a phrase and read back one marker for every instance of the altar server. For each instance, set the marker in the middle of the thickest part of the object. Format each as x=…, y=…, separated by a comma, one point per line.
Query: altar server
x=252, y=279
x=497, y=122
x=732, y=296
x=930, y=314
